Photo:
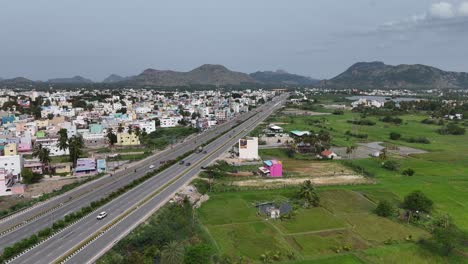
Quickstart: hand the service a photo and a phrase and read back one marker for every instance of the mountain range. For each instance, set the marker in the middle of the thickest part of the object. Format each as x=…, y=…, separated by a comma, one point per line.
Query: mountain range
x=377, y=75
x=368, y=75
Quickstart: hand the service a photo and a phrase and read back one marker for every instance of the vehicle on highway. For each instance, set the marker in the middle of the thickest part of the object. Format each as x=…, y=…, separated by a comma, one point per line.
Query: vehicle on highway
x=181, y=162
x=151, y=166
x=188, y=164
x=101, y=215
x=204, y=152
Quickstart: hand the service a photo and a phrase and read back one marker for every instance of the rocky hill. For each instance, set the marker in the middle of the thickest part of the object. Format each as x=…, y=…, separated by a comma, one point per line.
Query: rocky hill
x=377, y=75
x=282, y=77
x=72, y=80
x=207, y=74
x=18, y=81
x=114, y=78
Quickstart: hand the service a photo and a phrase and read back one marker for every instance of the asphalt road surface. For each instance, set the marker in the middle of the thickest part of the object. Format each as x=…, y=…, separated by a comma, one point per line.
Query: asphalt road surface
x=137, y=204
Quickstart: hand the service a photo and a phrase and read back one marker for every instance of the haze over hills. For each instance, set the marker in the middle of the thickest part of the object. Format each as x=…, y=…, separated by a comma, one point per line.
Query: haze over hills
x=76, y=79
x=377, y=75
x=282, y=77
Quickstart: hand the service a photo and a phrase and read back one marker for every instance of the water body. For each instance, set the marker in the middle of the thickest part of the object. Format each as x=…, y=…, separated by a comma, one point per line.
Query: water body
x=382, y=98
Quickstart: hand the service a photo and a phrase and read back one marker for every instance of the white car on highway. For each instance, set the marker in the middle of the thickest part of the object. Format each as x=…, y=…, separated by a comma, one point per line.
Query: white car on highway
x=151, y=166
x=101, y=215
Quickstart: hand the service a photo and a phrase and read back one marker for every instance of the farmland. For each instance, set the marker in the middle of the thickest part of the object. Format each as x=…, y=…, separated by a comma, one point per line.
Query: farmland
x=345, y=229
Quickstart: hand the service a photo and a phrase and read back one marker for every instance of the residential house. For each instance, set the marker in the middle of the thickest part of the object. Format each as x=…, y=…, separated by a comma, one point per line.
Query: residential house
x=85, y=166
x=126, y=139
x=248, y=148
x=272, y=168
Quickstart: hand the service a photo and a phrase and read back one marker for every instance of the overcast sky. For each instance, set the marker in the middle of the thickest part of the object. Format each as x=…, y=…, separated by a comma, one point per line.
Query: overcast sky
x=60, y=38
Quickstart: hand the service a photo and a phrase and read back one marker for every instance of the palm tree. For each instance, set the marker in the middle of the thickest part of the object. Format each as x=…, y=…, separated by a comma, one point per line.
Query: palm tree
x=43, y=154
x=308, y=193
x=130, y=129
x=63, y=139
x=75, y=144
x=172, y=253
x=111, y=137
x=120, y=129
x=137, y=131
x=383, y=155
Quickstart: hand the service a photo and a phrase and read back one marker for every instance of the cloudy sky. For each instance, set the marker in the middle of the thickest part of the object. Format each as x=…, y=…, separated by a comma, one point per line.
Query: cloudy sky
x=60, y=38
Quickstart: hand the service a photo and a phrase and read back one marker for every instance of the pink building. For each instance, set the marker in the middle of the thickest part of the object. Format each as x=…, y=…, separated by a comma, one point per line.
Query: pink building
x=272, y=168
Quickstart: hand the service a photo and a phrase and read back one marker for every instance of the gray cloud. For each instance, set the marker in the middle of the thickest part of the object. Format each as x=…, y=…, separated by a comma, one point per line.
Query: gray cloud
x=441, y=16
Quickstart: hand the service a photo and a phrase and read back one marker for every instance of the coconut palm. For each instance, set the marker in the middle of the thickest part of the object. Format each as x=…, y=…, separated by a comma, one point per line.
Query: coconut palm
x=75, y=144
x=308, y=193
x=43, y=154
x=63, y=139
x=137, y=131
x=120, y=129
x=172, y=253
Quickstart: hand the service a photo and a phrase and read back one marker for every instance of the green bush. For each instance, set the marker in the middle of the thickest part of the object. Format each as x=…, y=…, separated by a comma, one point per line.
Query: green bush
x=395, y=136
x=408, y=172
x=417, y=201
x=391, y=165
x=385, y=209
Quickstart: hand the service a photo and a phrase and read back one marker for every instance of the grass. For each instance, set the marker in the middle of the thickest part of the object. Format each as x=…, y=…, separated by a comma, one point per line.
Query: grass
x=313, y=245
x=342, y=259
x=344, y=224
x=309, y=220
x=248, y=239
x=345, y=201
x=377, y=229
x=405, y=253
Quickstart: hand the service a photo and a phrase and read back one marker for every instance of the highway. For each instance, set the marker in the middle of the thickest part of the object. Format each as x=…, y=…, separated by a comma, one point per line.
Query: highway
x=136, y=205
x=30, y=221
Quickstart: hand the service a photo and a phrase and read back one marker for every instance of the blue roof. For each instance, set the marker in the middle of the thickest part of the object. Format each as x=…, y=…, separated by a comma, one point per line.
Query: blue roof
x=268, y=163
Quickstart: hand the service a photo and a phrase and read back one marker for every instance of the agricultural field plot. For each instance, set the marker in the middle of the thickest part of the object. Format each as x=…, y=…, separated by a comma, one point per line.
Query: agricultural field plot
x=306, y=167
x=315, y=235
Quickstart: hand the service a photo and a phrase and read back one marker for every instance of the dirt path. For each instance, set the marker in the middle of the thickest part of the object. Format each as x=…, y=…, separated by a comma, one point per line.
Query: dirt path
x=333, y=180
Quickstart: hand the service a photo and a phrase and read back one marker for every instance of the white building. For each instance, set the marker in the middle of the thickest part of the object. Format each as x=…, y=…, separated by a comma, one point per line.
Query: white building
x=51, y=145
x=148, y=126
x=11, y=164
x=248, y=148
x=168, y=122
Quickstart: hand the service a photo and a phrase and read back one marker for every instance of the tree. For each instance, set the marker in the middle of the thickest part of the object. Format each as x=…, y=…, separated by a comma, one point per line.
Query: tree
x=75, y=144
x=63, y=139
x=395, y=136
x=383, y=154
x=408, y=172
x=417, y=201
x=197, y=254
x=391, y=165
x=29, y=177
x=172, y=253
x=111, y=137
x=447, y=238
x=384, y=209
x=43, y=154
x=137, y=131
x=130, y=129
x=120, y=129
x=308, y=194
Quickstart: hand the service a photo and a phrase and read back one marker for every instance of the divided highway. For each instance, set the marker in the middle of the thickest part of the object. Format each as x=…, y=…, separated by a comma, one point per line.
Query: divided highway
x=30, y=221
x=130, y=209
